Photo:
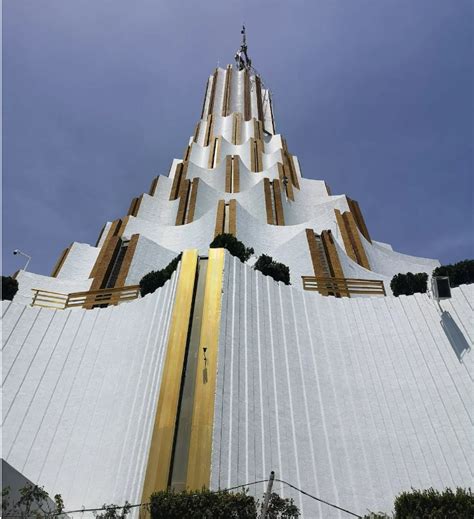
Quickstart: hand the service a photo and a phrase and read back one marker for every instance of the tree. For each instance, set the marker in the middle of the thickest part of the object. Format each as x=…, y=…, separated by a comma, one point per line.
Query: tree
x=9, y=288
x=268, y=267
x=34, y=502
x=233, y=245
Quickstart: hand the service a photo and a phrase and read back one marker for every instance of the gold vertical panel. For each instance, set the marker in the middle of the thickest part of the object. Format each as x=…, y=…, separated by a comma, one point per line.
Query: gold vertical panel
x=209, y=130
x=359, y=218
x=153, y=186
x=280, y=216
x=259, y=155
x=192, y=200
x=131, y=209
x=159, y=456
x=236, y=175
x=226, y=100
x=238, y=128
x=137, y=206
x=60, y=262
x=247, y=108
x=258, y=88
x=271, y=113
x=217, y=151
x=100, y=235
x=176, y=181
x=103, y=266
x=183, y=202
x=220, y=215
x=252, y=154
x=313, y=251
x=212, y=153
x=196, y=132
x=289, y=186
x=268, y=201
x=213, y=92
x=187, y=152
x=228, y=174
x=345, y=235
x=205, y=97
x=331, y=254
x=127, y=261
x=200, y=445
x=355, y=239
x=114, y=230
x=233, y=217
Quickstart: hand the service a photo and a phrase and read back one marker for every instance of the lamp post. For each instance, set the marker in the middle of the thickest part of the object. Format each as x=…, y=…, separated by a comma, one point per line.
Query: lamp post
x=18, y=251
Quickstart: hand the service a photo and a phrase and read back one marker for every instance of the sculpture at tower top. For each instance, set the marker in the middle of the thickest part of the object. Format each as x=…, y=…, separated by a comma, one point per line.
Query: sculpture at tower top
x=241, y=57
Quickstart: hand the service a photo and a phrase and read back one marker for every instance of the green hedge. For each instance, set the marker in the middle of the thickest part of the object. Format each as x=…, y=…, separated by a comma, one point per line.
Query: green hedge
x=431, y=504
x=233, y=245
x=9, y=287
x=268, y=267
x=157, y=278
x=409, y=284
x=461, y=273
x=217, y=505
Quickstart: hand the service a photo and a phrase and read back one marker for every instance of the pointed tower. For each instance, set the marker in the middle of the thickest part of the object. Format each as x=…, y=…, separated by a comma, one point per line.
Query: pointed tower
x=222, y=374
x=237, y=176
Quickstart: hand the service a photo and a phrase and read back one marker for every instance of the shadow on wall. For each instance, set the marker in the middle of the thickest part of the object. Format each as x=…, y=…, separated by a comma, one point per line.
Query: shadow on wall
x=455, y=336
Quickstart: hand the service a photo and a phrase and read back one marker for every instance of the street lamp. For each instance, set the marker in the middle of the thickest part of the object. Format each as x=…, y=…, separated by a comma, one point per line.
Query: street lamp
x=18, y=251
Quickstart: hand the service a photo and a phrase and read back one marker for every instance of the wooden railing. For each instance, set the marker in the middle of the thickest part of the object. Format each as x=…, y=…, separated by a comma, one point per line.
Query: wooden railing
x=88, y=299
x=344, y=287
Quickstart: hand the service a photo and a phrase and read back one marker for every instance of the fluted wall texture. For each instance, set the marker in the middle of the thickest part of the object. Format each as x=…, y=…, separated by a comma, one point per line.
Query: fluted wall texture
x=352, y=400
x=80, y=389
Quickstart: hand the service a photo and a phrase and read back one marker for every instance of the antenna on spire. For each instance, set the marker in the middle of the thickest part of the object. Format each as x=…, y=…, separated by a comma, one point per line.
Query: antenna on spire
x=241, y=57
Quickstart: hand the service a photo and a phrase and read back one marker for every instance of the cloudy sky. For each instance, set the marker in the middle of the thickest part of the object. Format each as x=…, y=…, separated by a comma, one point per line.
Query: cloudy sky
x=374, y=96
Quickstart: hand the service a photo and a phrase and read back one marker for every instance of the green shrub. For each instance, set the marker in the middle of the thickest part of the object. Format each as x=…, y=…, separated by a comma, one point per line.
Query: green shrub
x=170, y=505
x=215, y=505
x=233, y=245
x=409, y=284
x=461, y=273
x=157, y=278
x=268, y=267
x=9, y=288
x=431, y=504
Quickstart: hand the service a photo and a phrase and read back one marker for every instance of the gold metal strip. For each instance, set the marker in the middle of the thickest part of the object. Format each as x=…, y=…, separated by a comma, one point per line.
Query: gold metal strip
x=200, y=446
x=159, y=457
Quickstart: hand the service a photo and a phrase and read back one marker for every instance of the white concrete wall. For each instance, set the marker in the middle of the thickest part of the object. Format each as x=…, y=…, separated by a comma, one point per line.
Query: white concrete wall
x=28, y=280
x=79, y=261
x=80, y=390
x=352, y=400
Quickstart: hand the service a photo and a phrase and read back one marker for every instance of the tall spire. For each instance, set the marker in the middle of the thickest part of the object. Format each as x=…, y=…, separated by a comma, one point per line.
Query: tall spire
x=241, y=57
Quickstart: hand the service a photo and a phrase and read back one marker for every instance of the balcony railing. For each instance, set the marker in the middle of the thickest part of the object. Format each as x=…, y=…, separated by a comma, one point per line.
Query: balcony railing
x=344, y=287
x=88, y=299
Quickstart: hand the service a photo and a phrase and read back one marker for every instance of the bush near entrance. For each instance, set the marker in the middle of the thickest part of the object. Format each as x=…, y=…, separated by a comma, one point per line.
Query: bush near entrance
x=233, y=245
x=157, y=278
x=9, y=288
x=409, y=284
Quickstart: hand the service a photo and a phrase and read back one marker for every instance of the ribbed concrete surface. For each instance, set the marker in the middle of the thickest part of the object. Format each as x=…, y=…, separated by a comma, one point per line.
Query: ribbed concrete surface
x=80, y=390
x=352, y=400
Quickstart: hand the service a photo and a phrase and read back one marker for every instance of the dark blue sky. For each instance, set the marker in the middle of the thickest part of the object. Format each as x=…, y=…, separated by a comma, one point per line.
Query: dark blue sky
x=375, y=97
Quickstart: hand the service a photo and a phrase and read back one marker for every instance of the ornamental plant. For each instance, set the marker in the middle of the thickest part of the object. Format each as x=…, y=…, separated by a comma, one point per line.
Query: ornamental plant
x=233, y=245
x=409, y=284
x=268, y=267
x=157, y=278
x=460, y=273
x=9, y=288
